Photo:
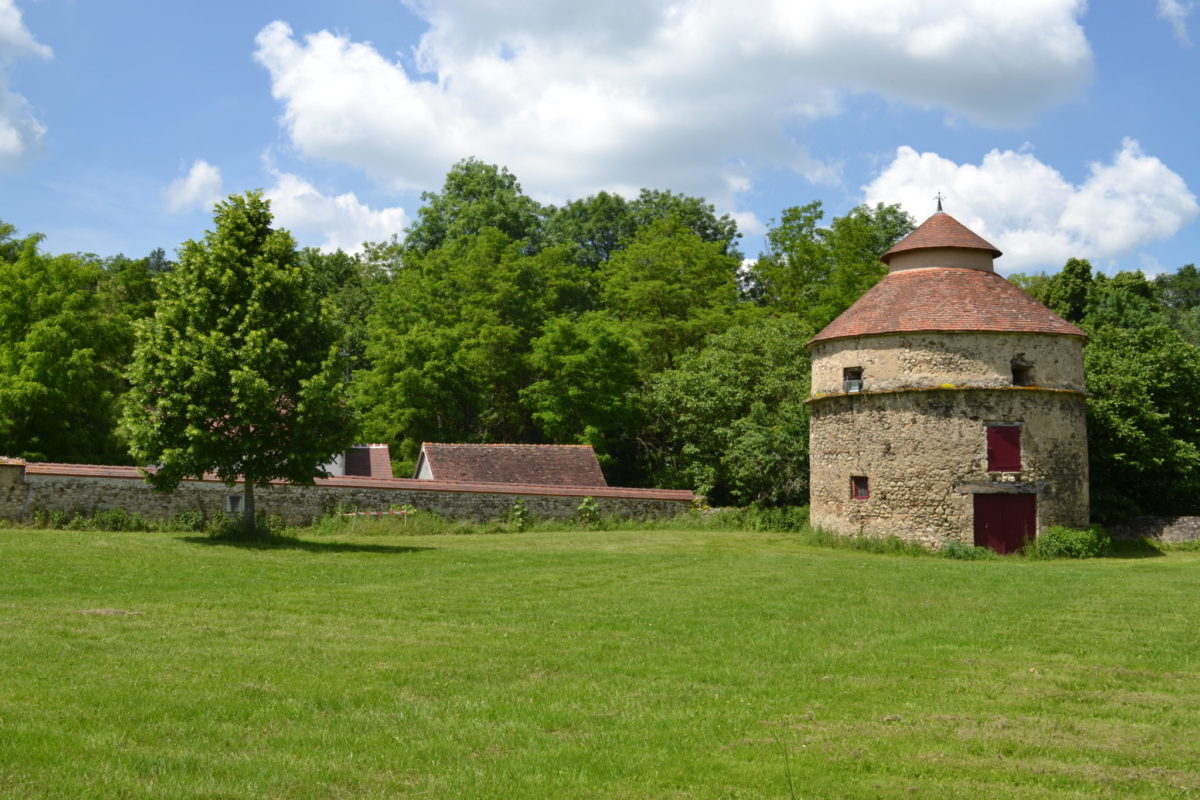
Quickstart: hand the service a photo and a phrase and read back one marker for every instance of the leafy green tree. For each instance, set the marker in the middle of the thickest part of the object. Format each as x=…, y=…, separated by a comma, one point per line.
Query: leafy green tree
x=237, y=372
x=60, y=357
x=1143, y=421
x=449, y=341
x=671, y=288
x=819, y=272
x=1067, y=292
x=474, y=196
x=586, y=391
x=729, y=421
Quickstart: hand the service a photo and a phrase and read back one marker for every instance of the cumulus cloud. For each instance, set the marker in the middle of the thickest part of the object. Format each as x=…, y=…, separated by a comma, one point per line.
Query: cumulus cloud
x=1176, y=12
x=20, y=132
x=340, y=222
x=1032, y=213
x=578, y=97
x=200, y=188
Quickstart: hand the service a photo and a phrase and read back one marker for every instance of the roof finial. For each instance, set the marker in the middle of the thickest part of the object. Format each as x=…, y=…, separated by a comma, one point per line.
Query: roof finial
x=940, y=197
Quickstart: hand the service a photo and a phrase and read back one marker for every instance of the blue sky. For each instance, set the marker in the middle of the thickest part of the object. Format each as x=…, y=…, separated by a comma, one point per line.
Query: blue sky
x=1055, y=128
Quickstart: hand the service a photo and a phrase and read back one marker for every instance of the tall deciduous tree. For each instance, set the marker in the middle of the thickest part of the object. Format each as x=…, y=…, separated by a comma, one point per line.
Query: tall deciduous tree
x=237, y=372
x=61, y=351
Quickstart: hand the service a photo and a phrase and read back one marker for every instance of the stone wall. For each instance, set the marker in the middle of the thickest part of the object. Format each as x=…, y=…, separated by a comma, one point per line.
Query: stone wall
x=1163, y=529
x=929, y=360
x=925, y=456
x=25, y=489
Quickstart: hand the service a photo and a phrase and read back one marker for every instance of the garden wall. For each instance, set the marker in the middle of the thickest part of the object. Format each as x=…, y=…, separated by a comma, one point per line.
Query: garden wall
x=26, y=488
x=1163, y=529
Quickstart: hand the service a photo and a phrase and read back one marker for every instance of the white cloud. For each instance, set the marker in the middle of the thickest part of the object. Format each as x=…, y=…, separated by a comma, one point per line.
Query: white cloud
x=340, y=222
x=200, y=188
x=1032, y=213
x=1176, y=12
x=578, y=97
x=20, y=132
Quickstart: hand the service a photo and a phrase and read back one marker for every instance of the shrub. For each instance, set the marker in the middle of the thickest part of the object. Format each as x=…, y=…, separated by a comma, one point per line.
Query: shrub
x=588, y=512
x=518, y=515
x=1060, y=541
x=966, y=552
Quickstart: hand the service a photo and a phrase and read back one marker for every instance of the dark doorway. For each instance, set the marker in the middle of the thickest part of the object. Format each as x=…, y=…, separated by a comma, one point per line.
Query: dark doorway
x=1004, y=522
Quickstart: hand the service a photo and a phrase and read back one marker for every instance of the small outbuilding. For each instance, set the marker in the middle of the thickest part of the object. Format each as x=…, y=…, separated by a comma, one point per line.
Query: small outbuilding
x=530, y=464
x=948, y=404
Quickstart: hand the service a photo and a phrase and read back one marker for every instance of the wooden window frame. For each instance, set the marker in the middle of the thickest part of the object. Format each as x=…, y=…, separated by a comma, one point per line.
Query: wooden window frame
x=857, y=483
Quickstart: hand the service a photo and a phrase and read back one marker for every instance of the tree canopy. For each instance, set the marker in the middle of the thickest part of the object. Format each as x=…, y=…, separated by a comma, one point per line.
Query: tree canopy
x=237, y=373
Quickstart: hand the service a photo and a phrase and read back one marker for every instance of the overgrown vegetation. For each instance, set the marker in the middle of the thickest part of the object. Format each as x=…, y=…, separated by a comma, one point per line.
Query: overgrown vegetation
x=1060, y=541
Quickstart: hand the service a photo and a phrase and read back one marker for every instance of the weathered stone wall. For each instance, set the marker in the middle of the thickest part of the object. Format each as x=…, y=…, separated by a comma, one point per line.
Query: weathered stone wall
x=928, y=360
x=23, y=493
x=925, y=455
x=1164, y=529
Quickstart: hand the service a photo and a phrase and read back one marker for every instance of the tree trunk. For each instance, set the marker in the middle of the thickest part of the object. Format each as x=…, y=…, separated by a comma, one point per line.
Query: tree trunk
x=248, y=504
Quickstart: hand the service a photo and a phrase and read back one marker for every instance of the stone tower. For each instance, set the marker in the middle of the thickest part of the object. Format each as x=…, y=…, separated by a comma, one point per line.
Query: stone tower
x=948, y=404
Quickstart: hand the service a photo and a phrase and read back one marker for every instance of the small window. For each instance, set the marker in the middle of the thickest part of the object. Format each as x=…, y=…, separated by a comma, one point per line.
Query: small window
x=233, y=503
x=1022, y=373
x=1004, y=448
x=859, y=488
x=852, y=379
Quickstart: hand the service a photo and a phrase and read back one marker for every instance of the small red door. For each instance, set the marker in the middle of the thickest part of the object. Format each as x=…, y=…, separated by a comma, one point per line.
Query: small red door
x=1004, y=522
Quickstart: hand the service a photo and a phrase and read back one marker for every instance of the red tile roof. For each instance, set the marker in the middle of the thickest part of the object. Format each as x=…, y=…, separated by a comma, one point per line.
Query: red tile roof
x=542, y=464
x=369, y=461
x=940, y=230
x=945, y=299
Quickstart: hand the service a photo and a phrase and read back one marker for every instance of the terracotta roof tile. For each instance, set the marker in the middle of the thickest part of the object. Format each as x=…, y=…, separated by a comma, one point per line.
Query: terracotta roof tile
x=940, y=230
x=369, y=461
x=542, y=464
x=945, y=299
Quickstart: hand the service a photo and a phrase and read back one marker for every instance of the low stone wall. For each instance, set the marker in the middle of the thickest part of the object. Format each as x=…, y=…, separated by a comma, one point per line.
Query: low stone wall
x=1163, y=529
x=85, y=489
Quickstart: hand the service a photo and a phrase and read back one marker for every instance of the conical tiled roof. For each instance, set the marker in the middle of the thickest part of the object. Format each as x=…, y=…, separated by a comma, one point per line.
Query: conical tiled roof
x=945, y=299
x=941, y=230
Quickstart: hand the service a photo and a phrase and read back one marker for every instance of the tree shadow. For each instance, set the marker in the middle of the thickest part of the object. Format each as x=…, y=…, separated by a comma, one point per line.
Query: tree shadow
x=307, y=545
x=1134, y=548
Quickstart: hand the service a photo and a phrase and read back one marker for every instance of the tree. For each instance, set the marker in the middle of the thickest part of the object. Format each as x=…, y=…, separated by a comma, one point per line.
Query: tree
x=474, y=196
x=819, y=272
x=237, y=372
x=61, y=357
x=671, y=288
x=1143, y=422
x=730, y=421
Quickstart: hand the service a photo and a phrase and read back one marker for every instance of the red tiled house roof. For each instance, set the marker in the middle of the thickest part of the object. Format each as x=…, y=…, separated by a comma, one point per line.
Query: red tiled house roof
x=941, y=230
x=944, y=298
x=540, y=464
x=369, y=461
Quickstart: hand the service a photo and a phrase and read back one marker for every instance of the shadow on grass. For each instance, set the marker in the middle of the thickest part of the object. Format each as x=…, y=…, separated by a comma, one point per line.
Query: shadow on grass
x=1134, y=548
x=307, y=545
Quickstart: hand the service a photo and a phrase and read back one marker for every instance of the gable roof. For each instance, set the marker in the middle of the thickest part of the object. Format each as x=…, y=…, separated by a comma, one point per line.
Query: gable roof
x=541, y=464
x=945, y=299
x=941, y=230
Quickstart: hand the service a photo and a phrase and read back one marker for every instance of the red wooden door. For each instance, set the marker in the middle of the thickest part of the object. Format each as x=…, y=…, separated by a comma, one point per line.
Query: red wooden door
x=1004, y=522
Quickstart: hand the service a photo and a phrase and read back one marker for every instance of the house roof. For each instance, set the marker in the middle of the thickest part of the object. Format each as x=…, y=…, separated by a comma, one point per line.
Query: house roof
x=541, y=464
x=369, y=461
x=941, y=230
x=945, y=299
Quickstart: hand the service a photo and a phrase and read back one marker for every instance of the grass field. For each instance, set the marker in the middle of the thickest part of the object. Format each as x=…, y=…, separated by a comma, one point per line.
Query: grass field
x=620, y=664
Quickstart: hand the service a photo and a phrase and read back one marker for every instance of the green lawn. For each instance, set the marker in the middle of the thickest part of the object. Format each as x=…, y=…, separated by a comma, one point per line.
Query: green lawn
x=661, y=664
